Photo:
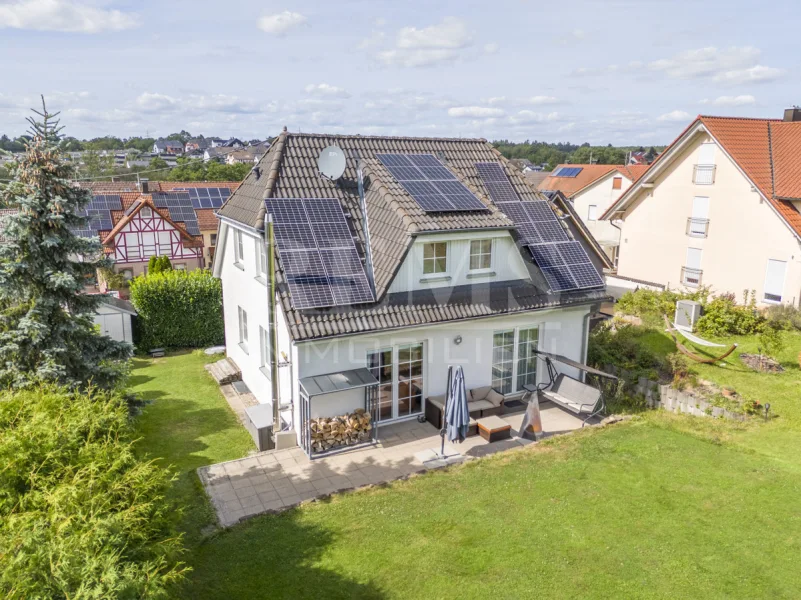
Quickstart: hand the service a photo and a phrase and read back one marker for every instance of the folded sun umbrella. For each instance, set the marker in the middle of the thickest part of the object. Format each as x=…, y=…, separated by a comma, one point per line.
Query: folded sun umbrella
x=457, y=414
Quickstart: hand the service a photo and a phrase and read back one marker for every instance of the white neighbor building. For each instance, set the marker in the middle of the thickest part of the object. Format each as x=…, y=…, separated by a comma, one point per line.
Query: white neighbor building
x=451, y=288
x=719, y=207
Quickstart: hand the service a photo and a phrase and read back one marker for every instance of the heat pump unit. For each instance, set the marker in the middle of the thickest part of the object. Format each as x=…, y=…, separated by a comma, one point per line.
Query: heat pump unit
x=687, y=314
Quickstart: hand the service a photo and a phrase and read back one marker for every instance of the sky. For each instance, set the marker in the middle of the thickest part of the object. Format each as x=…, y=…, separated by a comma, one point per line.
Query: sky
x=614, y=72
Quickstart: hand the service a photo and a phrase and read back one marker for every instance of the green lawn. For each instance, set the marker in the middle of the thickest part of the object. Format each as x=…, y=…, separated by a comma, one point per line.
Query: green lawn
x=663, y=506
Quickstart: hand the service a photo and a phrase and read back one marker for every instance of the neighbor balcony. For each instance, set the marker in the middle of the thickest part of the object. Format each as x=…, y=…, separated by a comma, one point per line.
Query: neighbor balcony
x=704, y=174
x=691, y=277
x=698, y=228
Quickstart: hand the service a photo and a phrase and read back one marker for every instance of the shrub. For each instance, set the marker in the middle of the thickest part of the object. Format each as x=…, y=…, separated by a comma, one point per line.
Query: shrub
x=680, y=366
x=770, y=341
x=81, y=516
x=723, y=316
x=179, y=309
x=158, y=264
x=623, y=348
x=784, y=317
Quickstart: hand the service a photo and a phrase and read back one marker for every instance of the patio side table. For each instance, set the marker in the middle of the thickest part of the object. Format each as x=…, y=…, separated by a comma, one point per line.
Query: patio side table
x=494, y=429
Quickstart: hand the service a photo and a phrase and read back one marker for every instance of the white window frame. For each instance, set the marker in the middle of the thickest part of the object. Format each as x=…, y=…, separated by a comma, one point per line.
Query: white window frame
x=592, y=212
x=264, y=352
x=481, y=254
x=261, y=260
x=434, y=259
x=396, y=377
x=212, y=239
x=239, y=248
x=516, y=355
x=765, y=290
x=179, y=266
x=243, y=328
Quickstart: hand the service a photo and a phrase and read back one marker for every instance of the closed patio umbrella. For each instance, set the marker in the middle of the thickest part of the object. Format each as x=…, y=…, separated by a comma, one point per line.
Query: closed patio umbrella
x=457, y=414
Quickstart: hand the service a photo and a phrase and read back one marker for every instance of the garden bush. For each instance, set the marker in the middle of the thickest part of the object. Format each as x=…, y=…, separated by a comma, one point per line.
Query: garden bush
x=653, y=304
x=722, y=316
x=784, y=316
x=621, y=346
x=179, y=309
x=81, y=516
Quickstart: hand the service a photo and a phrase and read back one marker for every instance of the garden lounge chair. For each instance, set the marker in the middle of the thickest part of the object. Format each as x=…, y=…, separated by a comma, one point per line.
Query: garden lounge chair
x=569, y=393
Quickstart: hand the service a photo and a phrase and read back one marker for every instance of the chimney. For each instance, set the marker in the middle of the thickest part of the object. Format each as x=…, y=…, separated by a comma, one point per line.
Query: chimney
x=143, y=185
x=792, y=115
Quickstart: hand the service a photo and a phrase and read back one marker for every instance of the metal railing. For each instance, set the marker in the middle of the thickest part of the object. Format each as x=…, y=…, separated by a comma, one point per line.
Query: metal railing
x=691, y=277
x=697, y=227
x=704, y=174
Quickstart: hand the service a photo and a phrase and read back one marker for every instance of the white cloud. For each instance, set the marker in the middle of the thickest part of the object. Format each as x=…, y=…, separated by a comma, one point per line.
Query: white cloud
x=673, y=116
x=281, y=23
x=755, y=74
x=737, y=64
x=196, y=103
x=579, y=34
x=63, y=15
x=428, y=46
x=491, y=48
x=481, y=112
x=150, y=102
x=541, y=100
x=376, y=39
x=530, y=116
x=329, y=91
x=496, y=100
x=743, y=100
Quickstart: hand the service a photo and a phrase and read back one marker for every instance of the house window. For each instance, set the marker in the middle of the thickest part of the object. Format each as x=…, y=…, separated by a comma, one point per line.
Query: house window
x=774, y=280
x=146, y=212
x=239, y=247
x=691, y=272
x=243, y=329
x=410, y=379
x=526, y=358
x=617, y=184
x=179, y=266
x=592, y=212
x=127, y=274
x=480, y=254
x=261, y=259
x=213, y=239
x=380, y=364
x=264, y=351
x=503, y=355
x=435, y=258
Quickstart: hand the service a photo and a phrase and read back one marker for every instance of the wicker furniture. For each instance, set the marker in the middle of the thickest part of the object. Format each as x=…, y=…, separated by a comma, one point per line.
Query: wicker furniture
x=481, y=402
x=494, y=429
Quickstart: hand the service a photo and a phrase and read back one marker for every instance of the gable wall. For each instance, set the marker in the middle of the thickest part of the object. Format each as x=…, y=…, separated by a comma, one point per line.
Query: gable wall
x=603, y=196
x=143, y=237
x=744, y=231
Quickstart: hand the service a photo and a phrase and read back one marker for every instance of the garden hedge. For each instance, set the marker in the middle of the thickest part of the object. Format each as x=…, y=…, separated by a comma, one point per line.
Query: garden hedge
x=178, y=309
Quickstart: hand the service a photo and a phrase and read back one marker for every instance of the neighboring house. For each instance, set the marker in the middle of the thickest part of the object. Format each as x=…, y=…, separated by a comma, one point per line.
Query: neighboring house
x=395, y=288
x=114, y=318
x=593, y=189
x=251, y=154
x=168, y=147
x=197, y=144
x=233, y=143
x=137, y=221
x=526, y=165
x=719, y=207
x=216, y=153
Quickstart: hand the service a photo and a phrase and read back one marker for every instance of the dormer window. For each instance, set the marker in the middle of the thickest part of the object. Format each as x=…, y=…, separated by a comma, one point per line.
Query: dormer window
x=146, y=212
x=480, y=255
x=435, y=258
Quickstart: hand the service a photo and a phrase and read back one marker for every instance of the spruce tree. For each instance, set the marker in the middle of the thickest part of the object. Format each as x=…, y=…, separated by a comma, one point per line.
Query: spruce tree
x=47, y=333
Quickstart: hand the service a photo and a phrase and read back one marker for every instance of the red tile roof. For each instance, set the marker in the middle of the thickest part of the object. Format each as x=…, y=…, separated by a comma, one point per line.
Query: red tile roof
x=570, y=186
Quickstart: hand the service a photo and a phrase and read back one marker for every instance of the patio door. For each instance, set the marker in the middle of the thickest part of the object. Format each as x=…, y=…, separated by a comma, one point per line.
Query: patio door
x=399, y=371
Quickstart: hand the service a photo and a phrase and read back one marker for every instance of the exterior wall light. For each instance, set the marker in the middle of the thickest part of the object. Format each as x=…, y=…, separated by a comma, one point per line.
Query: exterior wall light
x=457, y=340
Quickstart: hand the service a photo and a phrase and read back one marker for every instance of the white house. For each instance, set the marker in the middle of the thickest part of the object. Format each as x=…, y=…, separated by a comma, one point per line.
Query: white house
x=401, y=285
x=593, y=189
x=719, y=207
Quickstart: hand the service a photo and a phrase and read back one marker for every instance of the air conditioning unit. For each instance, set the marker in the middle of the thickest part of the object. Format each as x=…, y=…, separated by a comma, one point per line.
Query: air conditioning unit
x=687, y=314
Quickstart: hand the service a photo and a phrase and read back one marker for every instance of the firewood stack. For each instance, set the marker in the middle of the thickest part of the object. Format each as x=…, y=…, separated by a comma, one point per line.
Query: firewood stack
x=345, y=430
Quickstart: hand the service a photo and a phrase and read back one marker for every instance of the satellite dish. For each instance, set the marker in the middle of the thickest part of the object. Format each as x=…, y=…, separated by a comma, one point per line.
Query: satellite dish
x=332, y=162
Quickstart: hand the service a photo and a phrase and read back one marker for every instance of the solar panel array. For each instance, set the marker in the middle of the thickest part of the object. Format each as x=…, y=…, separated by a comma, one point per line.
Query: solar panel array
x=99, y=213
x=430, y=183
x=213, y=197
x=567, y=172
x=179, y=205
x=564, y=263
x=319, y=258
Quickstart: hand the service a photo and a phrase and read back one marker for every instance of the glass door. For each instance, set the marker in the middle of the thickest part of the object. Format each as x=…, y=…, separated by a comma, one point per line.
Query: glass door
x=410, y=380
x=380, y=364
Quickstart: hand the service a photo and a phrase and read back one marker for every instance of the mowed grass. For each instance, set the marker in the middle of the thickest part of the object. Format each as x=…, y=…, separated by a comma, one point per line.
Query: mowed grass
x=664, y=506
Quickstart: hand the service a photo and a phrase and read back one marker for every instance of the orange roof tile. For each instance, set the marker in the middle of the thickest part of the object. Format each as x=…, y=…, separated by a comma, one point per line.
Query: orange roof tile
x=589, y=174
x=786, y=151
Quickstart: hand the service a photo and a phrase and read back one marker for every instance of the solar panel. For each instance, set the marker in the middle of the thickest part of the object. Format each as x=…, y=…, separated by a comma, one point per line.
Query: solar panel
x=180, y=208
x=567, y=172
x=430, y=183
x=566, y=266
x=213, y=197
x=497, y=183
x=317, y=252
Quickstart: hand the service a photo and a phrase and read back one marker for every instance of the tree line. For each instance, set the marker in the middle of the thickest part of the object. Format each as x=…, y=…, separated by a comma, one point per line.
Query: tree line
x=551, y=154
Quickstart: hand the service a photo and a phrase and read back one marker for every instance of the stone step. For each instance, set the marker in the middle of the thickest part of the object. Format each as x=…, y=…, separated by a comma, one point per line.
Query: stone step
x=224, y=371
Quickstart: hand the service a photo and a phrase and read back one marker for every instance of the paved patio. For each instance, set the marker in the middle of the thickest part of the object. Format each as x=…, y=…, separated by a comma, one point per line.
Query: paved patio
x=275, y=480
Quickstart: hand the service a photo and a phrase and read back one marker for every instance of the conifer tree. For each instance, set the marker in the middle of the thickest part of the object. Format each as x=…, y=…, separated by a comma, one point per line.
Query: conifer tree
x=47, y=333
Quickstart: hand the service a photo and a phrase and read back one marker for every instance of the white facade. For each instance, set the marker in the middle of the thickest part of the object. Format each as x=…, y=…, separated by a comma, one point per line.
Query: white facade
x=713, y=221
x=562, y=331
x=594, y=200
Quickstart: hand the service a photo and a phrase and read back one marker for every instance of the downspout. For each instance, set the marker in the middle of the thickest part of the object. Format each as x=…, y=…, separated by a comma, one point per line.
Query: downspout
x=585, y=339
x=269, y=237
